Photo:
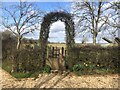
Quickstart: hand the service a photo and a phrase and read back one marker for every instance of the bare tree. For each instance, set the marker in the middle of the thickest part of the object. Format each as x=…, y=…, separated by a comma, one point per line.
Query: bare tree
x=91, y=17
x=114, y=19
x=21, y=19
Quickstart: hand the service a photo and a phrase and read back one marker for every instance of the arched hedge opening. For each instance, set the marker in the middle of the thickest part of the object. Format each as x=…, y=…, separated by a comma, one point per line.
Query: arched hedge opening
x=45, y=29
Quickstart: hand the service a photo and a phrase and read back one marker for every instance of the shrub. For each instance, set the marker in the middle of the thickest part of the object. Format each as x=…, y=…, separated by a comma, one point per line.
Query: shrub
x=27, y=60
x=99, y=57
x=25, y=75
x=21, y=75
x=8, y=46
x=78, y=67
x=47, y=69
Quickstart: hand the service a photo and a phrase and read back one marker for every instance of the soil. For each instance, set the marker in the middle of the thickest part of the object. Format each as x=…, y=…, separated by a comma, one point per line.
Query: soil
x=55, y=80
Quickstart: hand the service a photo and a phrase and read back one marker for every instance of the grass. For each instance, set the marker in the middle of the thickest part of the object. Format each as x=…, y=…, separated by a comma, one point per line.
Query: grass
x=81, y=69
x=7, y=66
x=95, y=71
x=104, y=71
x=20, y=75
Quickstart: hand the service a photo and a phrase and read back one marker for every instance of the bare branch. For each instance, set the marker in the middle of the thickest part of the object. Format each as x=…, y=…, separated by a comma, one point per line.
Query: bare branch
x=24, y=17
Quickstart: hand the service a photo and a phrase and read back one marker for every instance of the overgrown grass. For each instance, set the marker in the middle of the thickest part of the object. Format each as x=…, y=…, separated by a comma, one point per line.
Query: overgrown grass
x=77, y=69
x=7, y=66
x=91, y=69
x=20, y=75
x=95, y=72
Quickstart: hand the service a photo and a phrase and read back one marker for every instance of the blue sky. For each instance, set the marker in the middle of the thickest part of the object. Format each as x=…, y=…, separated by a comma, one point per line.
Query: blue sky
x=58, y=26
x=48, y=7
x=51, y=6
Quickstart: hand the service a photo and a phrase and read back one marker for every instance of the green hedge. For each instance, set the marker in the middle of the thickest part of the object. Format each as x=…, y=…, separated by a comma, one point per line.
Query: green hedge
x=8, y=46
x=86, y=58
x=101, y=57
x=26, y=60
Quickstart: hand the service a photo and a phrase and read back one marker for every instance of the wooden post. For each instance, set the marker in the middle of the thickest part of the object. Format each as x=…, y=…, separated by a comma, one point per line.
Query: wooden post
x=62, y=51
x=53, y=52
x=48, y=51
x=58, y=59
x=56, y=52
x=65, y=59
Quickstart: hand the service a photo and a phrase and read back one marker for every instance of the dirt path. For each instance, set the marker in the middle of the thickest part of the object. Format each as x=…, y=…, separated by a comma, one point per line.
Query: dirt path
x=60, y=81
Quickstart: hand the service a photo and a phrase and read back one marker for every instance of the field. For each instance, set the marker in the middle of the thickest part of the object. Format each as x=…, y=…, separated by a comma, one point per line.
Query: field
x=79, y=44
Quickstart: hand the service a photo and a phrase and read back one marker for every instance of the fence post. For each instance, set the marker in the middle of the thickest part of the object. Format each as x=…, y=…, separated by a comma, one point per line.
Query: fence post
x=48, y=51
x=62, y=51
x=65, y=59
x=53, y=52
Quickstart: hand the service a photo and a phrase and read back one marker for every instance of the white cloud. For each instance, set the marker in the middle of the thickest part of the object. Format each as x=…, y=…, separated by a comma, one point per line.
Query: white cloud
x=34, y=35
x=1, y=29
x=107, y=5
x=57, y=26
x=57, y=32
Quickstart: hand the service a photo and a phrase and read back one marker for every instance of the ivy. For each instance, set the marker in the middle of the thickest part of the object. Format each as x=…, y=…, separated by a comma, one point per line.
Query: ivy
x=45, y=27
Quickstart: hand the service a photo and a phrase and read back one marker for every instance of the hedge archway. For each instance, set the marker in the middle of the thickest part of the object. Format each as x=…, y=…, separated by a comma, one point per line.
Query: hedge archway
x=45, y=28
